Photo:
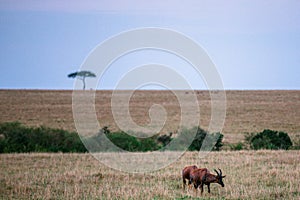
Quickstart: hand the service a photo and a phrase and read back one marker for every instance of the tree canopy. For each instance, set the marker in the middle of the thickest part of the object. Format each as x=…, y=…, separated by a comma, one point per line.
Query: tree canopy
x=82, y=75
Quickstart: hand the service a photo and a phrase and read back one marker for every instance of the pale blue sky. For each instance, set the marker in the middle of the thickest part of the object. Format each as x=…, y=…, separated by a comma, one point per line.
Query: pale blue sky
x=254, y=44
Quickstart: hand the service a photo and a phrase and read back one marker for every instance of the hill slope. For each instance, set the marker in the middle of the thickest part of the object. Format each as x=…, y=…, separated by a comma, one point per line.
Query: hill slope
x=247, y=111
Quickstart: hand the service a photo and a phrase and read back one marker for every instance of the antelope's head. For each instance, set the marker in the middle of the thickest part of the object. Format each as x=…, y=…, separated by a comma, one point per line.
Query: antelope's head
x=219, y=177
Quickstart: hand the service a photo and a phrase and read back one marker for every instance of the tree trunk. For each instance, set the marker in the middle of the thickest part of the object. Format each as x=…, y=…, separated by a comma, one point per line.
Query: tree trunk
x=83, y=80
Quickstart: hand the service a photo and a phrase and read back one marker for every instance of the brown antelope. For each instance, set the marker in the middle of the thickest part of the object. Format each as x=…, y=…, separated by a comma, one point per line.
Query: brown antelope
x=186, y=174
x=202, y=176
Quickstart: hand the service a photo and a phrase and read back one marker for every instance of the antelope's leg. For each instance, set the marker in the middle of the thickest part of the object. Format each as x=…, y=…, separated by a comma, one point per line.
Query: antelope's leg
x=208, y=187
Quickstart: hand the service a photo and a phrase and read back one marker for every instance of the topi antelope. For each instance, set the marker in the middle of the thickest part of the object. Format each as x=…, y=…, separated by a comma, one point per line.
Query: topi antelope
x=186, y=174
x=202, y=176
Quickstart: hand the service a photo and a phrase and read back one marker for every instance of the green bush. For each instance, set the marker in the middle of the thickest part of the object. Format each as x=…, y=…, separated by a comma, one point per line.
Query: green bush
x=237, y=147
x=124, y=141
x=18, y=138
x=15, y=137
x=198, y=136
x=269, y=139
x=213, y=140
x=121, y=140
x=165, y=139
x=131, y=143
x=198, y=140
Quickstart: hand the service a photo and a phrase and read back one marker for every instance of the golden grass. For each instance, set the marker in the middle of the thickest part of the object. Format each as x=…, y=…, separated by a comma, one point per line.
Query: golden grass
x=247, y=111
x=249, y=175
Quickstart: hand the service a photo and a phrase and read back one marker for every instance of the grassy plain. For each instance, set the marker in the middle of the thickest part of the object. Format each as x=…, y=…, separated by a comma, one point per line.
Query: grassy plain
x=247, y=111
x=249, y=175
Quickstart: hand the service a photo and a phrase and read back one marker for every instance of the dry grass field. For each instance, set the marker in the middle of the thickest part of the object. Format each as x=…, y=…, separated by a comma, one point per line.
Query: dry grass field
x=249, y=175
x=247, y=111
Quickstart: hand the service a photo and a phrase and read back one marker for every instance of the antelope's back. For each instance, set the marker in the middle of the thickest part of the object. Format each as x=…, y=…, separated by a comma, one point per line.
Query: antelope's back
x=188, y=169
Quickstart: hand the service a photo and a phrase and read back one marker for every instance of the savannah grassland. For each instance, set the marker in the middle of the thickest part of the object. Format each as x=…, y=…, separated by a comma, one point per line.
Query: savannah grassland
x=249, y=174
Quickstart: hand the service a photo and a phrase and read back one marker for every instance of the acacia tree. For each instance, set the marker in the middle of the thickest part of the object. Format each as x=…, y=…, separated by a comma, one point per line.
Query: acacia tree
x=82, y=75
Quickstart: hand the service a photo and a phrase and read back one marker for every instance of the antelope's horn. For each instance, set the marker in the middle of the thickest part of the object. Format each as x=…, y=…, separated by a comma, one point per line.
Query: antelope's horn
x=220, y=171
x=217, y=172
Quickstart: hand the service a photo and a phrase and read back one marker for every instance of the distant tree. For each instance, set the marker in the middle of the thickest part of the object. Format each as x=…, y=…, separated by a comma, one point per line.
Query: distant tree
x=82, y=75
